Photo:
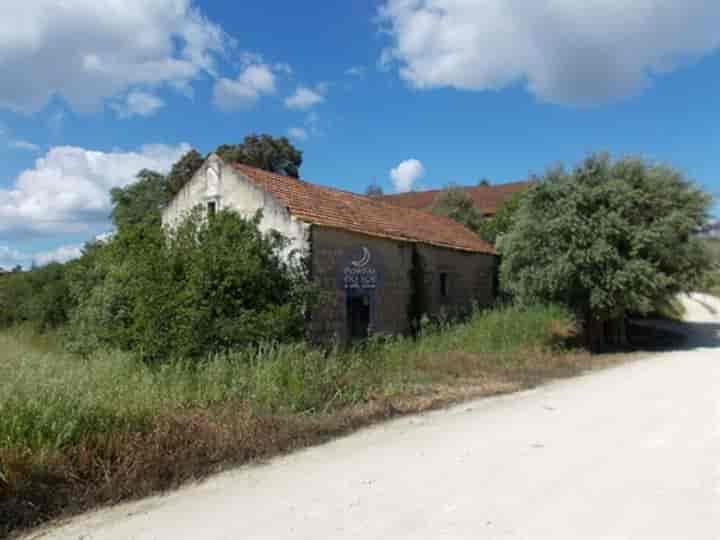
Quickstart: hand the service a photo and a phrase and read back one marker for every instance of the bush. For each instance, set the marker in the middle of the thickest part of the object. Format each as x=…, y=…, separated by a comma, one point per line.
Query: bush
x=608, y=239
x=39, y=296
x=210, y=286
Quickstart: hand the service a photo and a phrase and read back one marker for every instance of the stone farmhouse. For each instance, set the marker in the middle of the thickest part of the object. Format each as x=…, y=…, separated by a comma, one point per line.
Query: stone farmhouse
x=376, y=264
x=487, y=199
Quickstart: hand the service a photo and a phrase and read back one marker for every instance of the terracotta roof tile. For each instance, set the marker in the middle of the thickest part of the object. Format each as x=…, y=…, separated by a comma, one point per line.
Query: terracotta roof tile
x=487, y=198
x=343, y=210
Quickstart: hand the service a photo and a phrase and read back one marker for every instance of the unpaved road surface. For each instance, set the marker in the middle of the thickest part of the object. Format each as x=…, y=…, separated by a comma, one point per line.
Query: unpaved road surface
x=630, y=452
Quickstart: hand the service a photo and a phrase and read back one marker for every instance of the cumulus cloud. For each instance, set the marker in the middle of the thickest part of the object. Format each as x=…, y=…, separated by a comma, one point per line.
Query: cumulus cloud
x=305, y=98
x=68, y=189
x=254, y=81
x=571, y=52
x=298, y=133
x=406, y=174
x=10, y=258
x=85, y=51
x=138, y=103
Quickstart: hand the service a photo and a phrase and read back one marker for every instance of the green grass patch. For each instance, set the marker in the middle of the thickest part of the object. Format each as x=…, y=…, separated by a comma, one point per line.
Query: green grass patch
x=108, y=427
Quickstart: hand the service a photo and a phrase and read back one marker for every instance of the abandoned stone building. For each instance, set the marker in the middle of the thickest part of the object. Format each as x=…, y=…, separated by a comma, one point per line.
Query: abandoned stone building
x=377, y=265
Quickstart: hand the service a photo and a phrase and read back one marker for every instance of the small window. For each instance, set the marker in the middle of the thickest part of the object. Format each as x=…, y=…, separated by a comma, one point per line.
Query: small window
x=211, y=208
x=443, y=284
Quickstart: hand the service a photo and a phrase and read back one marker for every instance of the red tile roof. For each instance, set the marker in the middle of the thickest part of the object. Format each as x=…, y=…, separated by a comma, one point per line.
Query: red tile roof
x=487, y=198
x=366, y=215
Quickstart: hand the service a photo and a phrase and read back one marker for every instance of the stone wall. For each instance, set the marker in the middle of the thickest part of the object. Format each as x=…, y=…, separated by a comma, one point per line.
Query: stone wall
x=469, y=278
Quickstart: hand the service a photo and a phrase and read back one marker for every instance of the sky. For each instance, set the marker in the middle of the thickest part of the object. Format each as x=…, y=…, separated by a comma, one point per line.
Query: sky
x=408, y=94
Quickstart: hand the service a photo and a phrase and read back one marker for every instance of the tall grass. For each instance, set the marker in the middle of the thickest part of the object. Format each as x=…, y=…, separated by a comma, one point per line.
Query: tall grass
x=50, y=399
x=113, y=427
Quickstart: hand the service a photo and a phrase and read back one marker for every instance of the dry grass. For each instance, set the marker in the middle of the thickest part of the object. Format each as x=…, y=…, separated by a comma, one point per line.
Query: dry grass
x=167, y=430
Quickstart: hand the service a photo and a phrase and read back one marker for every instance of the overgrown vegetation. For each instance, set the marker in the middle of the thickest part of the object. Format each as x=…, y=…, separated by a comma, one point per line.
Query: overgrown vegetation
x=211, y=286
x=455, y=203
x=607, y=239
x=78, y=431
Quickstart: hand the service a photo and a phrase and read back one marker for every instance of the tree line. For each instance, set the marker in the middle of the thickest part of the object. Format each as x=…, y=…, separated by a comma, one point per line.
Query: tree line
x=608, y=239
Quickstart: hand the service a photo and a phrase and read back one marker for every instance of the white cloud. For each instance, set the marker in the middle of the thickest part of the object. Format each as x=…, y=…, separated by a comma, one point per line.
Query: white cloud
x=406, y=174
x=61, y=255
x=355, y=71
x=298, y=133
x=9, y=258
x=85, y=51
x=21, y=144
x=254, y=81
x=305, y=98
x=572, y=52
x=68, y=189
x=138, y=104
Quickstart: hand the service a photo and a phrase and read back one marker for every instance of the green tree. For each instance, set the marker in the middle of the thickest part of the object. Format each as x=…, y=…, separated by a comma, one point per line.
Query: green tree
x=493, y=228
x=212, y=285
x=264, y=152
x=141, y=201
x=183, y=170
x=607, y=239
x=457, y=205
x=374, y=190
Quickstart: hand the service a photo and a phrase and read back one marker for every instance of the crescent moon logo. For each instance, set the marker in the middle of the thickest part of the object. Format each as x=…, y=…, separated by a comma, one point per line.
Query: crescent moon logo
x=364, y=260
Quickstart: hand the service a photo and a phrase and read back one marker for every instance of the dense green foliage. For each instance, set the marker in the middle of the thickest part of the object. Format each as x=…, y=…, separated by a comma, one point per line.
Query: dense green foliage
x=711, y=282
x=272, y=154
x=183, y=170
x=456, y=204
x=141, y=201
x=211, y=286
x=39, y=297
x=374, y=190
x=264, y=152
x=608, y=238
x=492, y=228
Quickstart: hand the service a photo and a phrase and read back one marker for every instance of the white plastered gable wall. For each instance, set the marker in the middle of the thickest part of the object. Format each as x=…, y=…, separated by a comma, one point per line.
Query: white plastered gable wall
x=229, y=189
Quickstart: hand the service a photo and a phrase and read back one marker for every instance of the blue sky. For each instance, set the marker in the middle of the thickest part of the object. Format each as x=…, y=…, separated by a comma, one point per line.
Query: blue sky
x=410, y=94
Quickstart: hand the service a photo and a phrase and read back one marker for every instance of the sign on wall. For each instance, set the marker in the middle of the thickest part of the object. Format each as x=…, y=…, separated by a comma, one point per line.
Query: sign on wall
x=360, y=273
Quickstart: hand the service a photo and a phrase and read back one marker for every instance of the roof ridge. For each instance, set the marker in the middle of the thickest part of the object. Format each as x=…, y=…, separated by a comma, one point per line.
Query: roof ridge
x=333, y=207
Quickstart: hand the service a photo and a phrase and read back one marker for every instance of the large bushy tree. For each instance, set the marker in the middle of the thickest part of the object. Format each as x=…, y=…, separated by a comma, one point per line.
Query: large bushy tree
x=264, y=152
x=607, y=239
x=491, y=229
x=457, y=205
x=141, y=201
x=183, y=170
x=212, y=285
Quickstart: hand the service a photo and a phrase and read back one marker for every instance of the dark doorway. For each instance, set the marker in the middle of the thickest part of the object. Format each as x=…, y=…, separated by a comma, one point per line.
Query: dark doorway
x=358, y=316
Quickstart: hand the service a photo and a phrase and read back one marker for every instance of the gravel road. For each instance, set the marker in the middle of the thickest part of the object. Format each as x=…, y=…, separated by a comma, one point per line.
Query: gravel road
x=630, y=452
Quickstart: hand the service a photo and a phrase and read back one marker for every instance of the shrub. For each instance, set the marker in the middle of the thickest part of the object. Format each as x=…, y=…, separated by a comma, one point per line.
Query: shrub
x=208, y=287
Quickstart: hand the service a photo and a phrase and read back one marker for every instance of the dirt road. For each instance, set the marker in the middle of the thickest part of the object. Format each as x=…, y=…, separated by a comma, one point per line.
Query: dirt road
x=631, y=452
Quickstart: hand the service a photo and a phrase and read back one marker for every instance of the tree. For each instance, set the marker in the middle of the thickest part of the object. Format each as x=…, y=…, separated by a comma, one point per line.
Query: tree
x=264, y=152
x=493, y=228
x=211, y=286
x=484, y=182
x=374, y=190
x=183, y=170
x=141, y=201
x=457, y=205
x=607, y=239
